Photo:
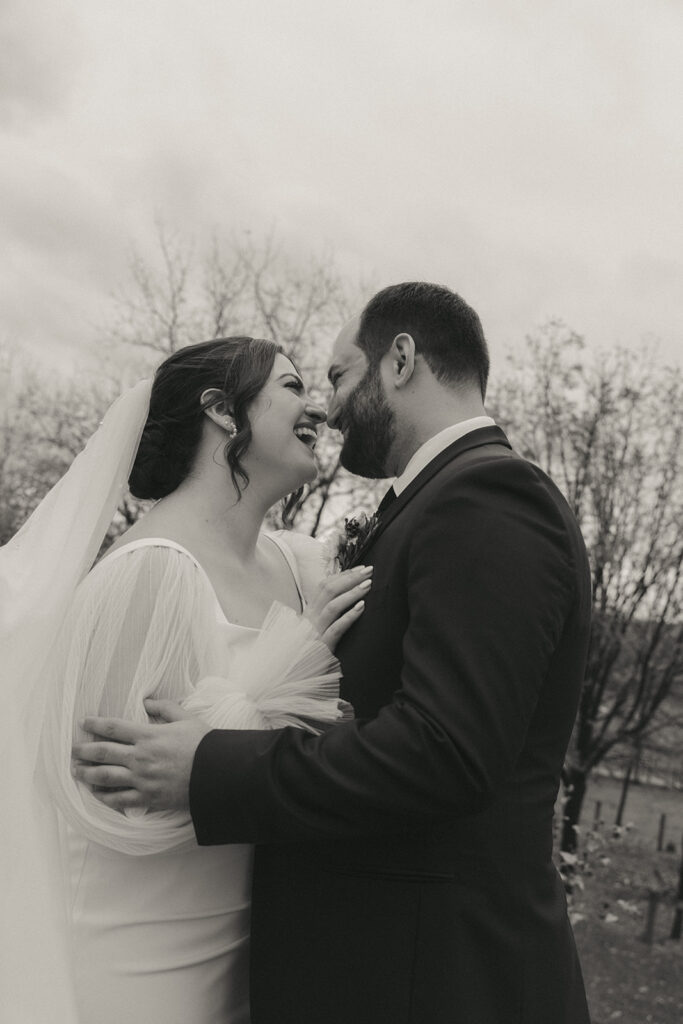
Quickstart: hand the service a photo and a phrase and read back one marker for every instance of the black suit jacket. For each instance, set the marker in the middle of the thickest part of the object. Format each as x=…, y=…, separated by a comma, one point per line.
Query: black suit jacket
x=404, y=872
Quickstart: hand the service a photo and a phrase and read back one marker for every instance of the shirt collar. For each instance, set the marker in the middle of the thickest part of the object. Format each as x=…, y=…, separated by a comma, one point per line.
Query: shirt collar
x=436, y=444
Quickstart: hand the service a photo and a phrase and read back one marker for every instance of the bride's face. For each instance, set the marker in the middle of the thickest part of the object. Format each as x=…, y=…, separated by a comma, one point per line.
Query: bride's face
x=284, y=423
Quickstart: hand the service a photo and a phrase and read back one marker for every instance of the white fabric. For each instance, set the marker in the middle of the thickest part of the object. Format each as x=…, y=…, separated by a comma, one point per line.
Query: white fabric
x=39, y=570
x=309, y=559
x=435, y=445
x=159, y=924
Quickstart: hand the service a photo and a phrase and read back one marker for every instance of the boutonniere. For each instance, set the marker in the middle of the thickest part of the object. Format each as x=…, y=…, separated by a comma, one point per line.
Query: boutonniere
x=358, y=529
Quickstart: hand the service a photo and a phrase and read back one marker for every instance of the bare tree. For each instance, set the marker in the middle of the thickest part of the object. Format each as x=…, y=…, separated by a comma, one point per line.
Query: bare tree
x=244, y=286
x=238, y=286
x=609, y=431
x=45, y=422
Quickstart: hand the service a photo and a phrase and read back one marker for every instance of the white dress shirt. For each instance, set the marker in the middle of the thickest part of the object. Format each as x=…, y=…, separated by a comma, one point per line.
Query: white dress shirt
x=431, y=448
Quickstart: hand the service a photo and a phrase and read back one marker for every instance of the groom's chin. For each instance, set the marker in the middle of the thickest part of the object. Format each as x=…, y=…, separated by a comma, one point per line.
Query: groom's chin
x=356, y=461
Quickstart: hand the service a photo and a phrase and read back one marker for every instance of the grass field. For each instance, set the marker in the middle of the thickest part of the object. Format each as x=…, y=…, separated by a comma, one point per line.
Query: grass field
x=628, y=980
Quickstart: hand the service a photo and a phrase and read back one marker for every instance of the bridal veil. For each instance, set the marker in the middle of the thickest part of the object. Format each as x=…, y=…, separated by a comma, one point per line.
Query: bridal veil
x=40, y=569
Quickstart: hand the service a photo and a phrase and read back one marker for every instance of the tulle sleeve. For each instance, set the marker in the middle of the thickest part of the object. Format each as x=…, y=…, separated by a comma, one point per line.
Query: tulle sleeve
x=130, y=633
x=145, y=623
x=314, y=558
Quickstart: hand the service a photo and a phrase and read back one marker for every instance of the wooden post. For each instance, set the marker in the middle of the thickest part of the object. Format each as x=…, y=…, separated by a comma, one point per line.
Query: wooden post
x=653, y=898
x=678, y=916
x=660, y=835
x=624, y=789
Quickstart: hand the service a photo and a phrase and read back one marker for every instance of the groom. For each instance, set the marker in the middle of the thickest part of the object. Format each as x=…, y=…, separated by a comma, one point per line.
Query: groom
x=403, y=866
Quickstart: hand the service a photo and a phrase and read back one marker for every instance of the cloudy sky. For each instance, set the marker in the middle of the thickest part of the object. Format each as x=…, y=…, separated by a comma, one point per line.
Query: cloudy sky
x=528, y=154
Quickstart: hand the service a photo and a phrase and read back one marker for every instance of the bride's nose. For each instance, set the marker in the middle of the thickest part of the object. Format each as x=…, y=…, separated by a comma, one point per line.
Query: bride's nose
x=316, y=412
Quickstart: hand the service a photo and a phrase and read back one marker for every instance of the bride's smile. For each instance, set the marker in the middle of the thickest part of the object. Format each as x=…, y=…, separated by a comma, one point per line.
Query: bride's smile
x=284, y=431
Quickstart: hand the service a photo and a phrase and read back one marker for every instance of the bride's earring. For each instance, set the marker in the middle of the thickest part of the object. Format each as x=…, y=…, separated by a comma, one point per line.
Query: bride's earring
x=215, y=410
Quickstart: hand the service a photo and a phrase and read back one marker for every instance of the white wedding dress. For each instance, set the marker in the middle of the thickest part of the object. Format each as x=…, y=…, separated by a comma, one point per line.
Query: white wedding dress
x=159, y=927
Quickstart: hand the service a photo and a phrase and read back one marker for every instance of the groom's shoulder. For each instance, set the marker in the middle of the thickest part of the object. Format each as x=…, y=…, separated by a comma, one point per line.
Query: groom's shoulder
x=483, y=463
x=496, y=476
x=496, y=459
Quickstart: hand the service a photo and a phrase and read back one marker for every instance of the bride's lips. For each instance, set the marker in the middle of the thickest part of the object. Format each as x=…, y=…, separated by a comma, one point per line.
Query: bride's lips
x=307, y=434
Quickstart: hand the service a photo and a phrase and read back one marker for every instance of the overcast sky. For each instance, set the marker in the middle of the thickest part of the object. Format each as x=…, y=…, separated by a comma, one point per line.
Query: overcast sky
x=528, y=154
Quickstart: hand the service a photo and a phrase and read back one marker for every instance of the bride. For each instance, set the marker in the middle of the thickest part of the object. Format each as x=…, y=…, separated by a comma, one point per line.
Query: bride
x=196, y=603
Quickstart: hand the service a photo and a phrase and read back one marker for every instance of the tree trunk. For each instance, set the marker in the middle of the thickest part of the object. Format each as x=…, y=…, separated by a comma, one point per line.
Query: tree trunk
x=575, y=787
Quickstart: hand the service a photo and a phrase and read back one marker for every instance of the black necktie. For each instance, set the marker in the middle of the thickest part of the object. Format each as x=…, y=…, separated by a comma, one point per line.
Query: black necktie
x=386, y=501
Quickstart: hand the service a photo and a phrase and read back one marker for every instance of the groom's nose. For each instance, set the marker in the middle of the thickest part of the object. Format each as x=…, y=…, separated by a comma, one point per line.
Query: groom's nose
x=333, y=410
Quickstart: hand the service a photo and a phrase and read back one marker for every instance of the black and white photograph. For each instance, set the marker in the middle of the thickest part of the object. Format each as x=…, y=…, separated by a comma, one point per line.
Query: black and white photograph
x=341, y=492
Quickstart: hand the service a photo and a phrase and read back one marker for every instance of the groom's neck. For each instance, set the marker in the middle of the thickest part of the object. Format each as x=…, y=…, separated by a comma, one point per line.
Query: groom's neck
x=422, y=417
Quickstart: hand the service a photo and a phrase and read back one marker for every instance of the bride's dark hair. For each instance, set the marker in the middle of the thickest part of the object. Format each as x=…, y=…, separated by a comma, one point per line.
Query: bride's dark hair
x=237, y=367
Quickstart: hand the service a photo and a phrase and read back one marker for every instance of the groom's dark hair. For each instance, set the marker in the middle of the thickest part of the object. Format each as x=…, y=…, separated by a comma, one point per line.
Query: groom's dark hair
x=446, y=331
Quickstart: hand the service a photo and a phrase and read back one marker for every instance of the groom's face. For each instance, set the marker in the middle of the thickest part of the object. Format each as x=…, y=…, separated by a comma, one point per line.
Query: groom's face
x=359, y=408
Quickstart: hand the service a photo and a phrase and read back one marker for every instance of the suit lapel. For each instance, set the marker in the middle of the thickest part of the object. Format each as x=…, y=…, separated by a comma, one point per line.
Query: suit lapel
x=475, y=439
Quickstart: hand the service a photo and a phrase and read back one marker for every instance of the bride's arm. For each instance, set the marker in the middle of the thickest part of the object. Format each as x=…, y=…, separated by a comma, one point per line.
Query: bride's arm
x=134, y=633
x=140, y=626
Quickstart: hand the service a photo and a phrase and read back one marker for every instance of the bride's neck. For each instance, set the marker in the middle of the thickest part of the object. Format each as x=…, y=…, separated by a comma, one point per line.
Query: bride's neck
x=208, y=515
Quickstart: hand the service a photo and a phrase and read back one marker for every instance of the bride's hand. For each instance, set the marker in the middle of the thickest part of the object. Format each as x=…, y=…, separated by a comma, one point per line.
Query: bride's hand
x=338, y=603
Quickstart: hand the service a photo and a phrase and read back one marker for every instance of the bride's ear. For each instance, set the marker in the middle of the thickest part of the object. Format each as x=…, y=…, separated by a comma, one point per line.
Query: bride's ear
x=215, y=406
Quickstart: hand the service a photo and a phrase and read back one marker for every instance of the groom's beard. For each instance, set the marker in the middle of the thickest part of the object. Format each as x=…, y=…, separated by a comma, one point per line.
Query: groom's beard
x=370, y=428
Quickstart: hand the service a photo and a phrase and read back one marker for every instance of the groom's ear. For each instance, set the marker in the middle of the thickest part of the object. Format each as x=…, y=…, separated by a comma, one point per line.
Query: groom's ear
x=402, y=354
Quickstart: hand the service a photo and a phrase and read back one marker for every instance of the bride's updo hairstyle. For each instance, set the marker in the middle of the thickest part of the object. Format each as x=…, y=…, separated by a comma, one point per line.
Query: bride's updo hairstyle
x=239, y=368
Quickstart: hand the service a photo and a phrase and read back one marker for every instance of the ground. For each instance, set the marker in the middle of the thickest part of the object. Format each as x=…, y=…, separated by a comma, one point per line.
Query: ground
x=627, y=979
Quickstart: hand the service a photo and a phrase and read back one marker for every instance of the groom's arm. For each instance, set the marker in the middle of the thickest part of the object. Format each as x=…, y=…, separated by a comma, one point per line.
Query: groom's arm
x=490, y=584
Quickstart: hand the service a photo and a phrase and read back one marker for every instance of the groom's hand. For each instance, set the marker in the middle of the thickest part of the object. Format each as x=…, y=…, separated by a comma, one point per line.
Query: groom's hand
x=148, y=766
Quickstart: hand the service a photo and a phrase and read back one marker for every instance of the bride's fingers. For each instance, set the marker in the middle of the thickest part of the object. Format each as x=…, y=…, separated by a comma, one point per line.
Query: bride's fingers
x=117, y=729
x=345, y=581
x=335, y=632
x=334, y=586
x=339, y=606
x=103, y=753
x=107, y=776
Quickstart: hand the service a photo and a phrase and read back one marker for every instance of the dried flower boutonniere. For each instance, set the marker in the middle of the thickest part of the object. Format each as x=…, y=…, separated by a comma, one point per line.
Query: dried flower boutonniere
x=358, y=529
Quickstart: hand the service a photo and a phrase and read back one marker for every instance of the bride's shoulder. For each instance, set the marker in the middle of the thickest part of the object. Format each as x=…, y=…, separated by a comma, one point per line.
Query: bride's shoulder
x=154, y=556
x=145, y=574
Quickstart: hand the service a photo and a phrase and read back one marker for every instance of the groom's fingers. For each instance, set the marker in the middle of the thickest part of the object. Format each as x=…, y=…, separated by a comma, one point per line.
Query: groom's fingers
x=107, y=776
x=166, y=710
x=122, y=799
x=104, y=753
x=117, y=729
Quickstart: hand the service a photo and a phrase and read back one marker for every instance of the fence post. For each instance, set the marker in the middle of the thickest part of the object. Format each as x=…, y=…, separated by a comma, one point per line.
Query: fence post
x=678, y=916
x=660, y=836
x=653, y=898
x=625, y=787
